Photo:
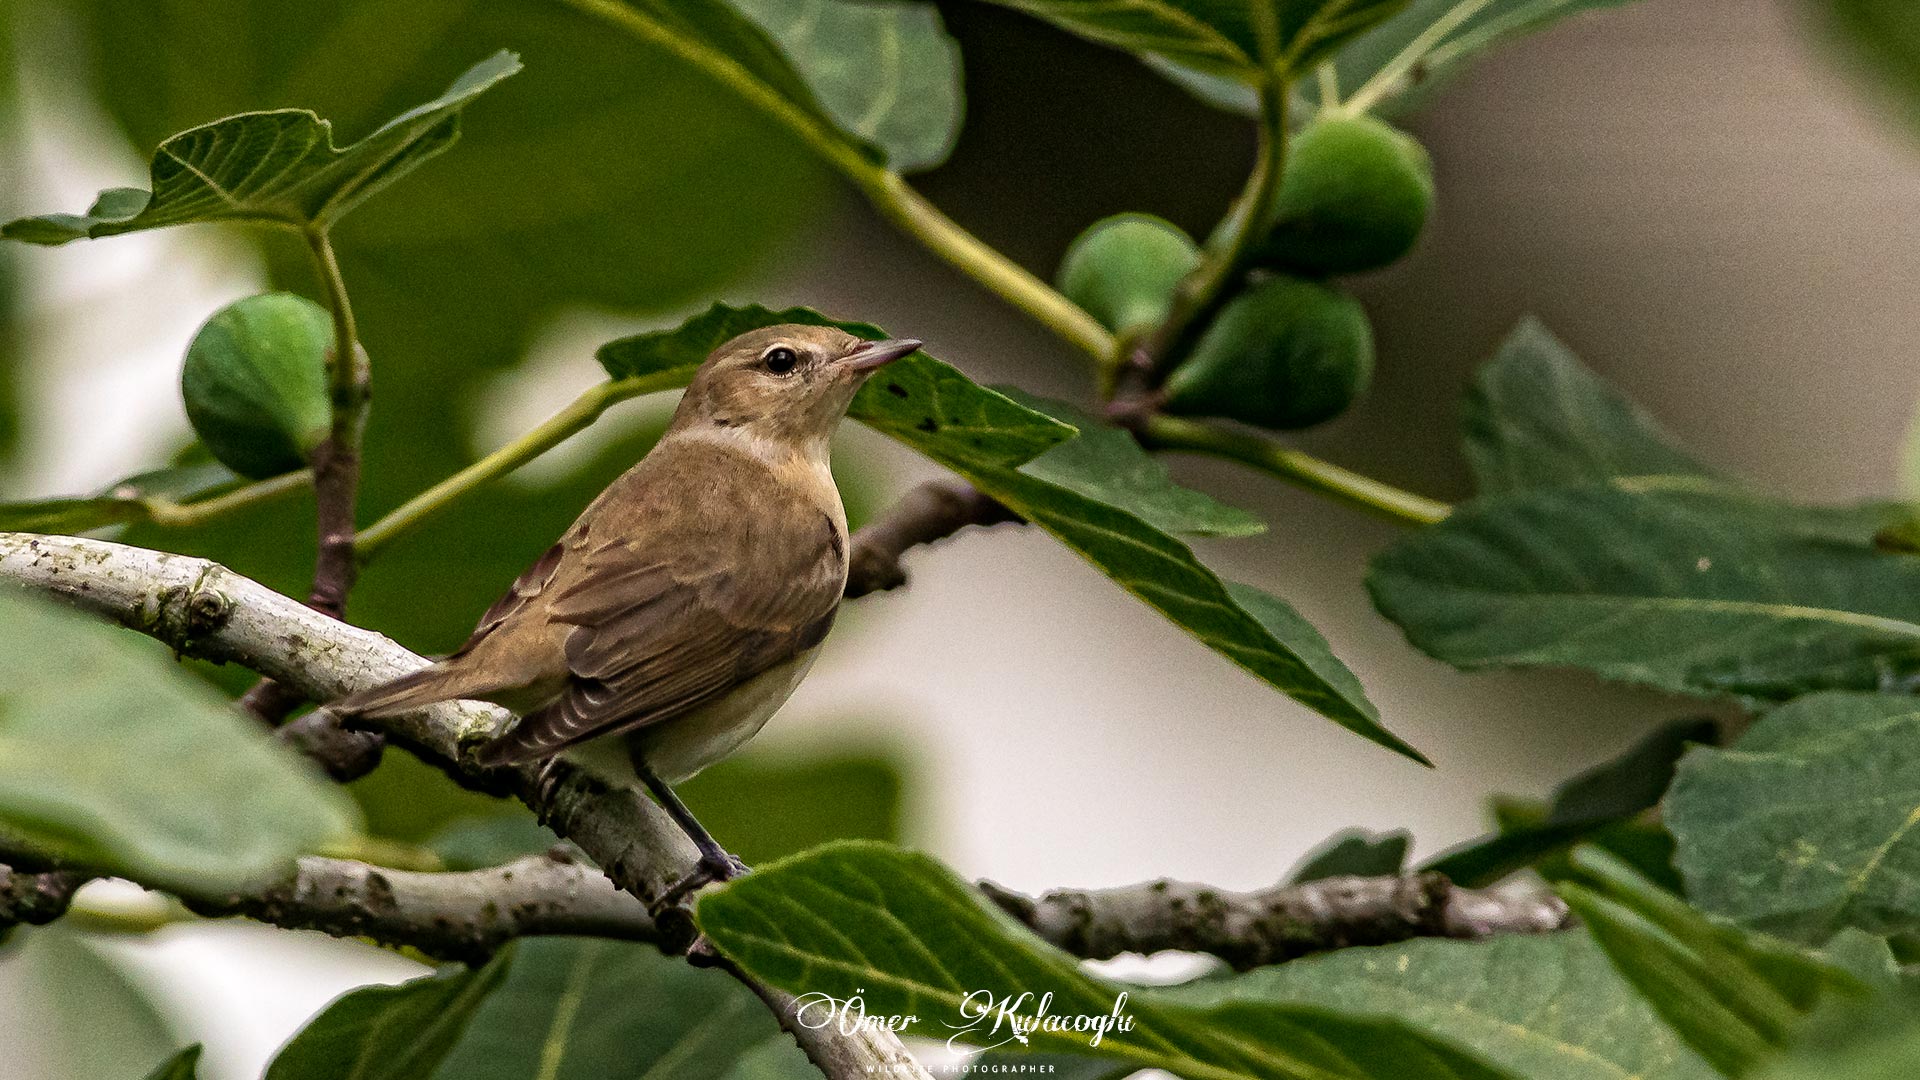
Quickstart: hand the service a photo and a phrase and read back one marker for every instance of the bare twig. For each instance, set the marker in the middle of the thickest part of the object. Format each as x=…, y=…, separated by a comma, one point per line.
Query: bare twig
x=336, y=461
x=270, y=701
x=36, y=898
x=449, y=916
x=933, y=511
x=345, y=753
x=1249, y=929
x=204, y=610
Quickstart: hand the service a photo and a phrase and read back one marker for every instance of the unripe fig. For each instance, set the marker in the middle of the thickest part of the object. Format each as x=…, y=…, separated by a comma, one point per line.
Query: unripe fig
x=1287, y=353
x=255, y=383
x=1123, y=269
x=1354, y=197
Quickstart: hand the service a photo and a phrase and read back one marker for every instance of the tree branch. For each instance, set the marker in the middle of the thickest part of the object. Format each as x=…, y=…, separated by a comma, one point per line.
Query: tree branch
x=449, y=916
x=36, y=898
x=336, y=461
x=202, y=609
x=933, y=511
x=1251, y=929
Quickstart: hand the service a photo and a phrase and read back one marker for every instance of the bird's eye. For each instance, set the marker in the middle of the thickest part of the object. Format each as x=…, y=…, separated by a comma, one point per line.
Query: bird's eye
x=780, y=360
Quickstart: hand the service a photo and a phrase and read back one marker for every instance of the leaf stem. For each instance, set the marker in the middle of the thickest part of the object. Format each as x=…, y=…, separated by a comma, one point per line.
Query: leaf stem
x=175, y=515
x=1381, y=84
x=576, y=417
x=1328, y=77
x=895, y=200
x=1296, y=467
x=1201, y=293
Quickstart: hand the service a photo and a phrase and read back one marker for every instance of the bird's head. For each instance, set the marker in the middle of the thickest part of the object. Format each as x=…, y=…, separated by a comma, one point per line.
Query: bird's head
x=789, y=383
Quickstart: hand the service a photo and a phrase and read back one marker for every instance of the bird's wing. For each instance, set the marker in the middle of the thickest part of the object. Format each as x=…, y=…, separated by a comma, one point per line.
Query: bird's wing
x=654, y=636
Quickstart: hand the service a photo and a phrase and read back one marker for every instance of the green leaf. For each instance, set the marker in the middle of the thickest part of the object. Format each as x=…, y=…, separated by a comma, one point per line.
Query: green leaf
x=182, y=1066
x=1105, y=463
x=1261, y=633
x=1354, y=852
x=1492, y=25
x=1680, y=586
x=1237, y=39
x=381, y=1032
x=552, y=1009
x=1523, y=840
x=985, y=437
x=1632, y=782
x=1216, y=38
x=1546, y=1007
x=1594, y=804
x=1733, y=996
x=907, y=937
x=115, y=757
x=886, y=74
x=279, y=167
x=1537, y=417
x=1874, y=1039
x=1806, y=825
x=883, y=79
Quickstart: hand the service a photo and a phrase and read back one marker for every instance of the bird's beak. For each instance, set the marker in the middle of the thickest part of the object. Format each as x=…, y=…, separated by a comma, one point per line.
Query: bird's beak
x=870, y=355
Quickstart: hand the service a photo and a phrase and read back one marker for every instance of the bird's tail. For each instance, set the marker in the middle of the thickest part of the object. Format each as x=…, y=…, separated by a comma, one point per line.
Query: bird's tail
x=429, y=685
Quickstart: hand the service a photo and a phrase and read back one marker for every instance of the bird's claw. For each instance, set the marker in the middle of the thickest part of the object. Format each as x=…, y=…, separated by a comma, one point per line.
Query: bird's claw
x=714, y=867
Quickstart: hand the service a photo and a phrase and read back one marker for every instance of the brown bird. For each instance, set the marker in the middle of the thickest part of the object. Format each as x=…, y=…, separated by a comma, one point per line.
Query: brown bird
x=687, y=601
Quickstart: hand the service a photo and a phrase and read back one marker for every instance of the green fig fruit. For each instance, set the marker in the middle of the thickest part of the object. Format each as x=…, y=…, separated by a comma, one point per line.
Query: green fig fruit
x=255, y=383
x=1354, y=196
x=1288, y=353
x=1123, y=269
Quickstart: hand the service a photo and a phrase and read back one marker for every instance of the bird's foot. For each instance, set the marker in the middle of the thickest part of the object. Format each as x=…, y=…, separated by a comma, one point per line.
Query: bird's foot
x=715, y=866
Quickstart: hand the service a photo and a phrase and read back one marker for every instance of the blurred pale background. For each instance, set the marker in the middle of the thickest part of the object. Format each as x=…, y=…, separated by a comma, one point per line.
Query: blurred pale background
x=1690, y=193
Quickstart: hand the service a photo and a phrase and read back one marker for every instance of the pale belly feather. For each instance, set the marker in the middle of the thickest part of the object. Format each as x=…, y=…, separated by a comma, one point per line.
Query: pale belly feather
x=681, y=747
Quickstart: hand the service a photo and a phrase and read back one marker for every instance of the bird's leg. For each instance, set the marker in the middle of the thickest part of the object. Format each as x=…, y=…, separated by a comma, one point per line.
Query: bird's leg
x=715, y=862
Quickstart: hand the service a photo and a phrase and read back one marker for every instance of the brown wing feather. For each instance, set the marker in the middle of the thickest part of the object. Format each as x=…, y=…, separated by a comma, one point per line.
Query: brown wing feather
x=663, y=622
